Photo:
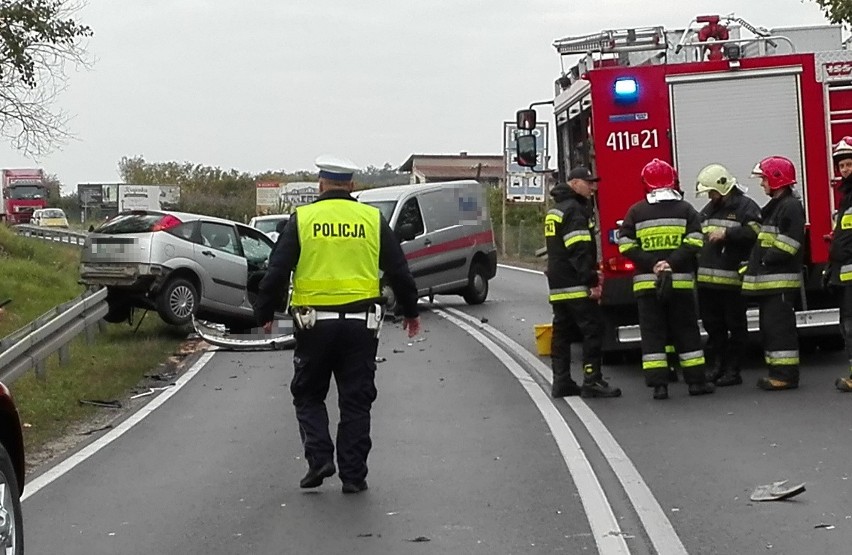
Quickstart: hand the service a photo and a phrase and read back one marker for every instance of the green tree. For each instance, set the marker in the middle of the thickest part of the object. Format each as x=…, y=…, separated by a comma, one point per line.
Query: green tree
x=38, y=39
x=837, y=11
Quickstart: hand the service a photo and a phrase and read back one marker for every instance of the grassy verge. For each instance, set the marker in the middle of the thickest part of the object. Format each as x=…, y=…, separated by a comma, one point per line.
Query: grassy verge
x=107, y=369
x=36, y=275
x=39, y=275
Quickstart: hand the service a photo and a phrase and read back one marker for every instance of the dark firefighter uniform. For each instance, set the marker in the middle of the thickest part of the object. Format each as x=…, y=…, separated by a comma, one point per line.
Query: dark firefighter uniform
x=774, y=277
x=665, y=228
x=840, y=257
x=571, y=272
x=721, y=304
x=335, y=248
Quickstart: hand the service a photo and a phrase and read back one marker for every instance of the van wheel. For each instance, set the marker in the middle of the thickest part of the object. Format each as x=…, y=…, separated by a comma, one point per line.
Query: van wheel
x=391, y=305
x=477, y=285
x=177, y=302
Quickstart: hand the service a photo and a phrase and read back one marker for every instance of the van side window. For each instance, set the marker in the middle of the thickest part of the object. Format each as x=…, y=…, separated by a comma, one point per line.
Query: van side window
x=410, y=214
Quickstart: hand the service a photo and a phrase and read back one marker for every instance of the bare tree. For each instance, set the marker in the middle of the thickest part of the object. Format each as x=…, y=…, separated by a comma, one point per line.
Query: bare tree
x=39, y=40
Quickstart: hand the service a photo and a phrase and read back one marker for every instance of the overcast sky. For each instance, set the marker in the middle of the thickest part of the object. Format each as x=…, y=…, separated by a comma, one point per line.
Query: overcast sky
x=270, y=84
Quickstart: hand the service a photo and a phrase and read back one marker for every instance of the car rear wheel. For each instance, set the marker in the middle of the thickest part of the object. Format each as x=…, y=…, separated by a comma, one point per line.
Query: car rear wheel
x=177, y=302
x=118, y=310
x=477, y=285
x=11, y=519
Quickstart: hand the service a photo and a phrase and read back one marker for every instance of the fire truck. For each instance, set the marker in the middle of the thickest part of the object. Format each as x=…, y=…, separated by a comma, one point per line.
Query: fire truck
x=718, y=91
x=24, y=191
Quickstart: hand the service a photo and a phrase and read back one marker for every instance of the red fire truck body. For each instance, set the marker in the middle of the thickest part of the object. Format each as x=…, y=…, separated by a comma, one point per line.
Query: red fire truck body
x=732, y=102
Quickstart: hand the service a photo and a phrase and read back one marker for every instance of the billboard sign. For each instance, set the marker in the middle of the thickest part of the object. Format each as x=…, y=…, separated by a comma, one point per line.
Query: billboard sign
x=267, y=193
x=299, y=193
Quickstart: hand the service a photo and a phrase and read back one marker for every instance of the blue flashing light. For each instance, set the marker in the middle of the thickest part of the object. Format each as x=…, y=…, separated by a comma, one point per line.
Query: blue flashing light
x=626, y=90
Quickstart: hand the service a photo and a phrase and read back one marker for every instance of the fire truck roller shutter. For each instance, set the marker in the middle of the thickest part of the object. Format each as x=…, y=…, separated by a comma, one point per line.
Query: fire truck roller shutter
x=735, y=119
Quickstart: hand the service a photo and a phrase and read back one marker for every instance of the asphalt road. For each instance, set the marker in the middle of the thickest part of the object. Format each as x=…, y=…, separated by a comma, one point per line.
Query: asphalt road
x=470, y=456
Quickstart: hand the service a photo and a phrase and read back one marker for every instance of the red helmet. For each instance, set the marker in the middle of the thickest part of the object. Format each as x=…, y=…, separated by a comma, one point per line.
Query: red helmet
x=843, y=149
x=658, y=175
x=778, y=171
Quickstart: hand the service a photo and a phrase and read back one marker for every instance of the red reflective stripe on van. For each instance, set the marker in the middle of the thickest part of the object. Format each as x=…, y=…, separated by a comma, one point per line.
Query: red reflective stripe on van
x=464, y=242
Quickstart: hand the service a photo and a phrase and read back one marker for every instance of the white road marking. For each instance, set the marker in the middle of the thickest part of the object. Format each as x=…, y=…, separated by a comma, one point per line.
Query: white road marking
x=659, y=528
x=57, y=471
x=519, y=269
x=605, y=528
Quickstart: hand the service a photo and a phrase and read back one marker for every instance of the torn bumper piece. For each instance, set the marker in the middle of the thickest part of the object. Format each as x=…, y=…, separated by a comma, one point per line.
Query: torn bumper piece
x=776, y=491
x=255, y=342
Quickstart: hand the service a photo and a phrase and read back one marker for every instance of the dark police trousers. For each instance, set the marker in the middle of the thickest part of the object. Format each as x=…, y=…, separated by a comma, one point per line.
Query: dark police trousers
x=345, y=349
x=723, y=314
x=674, y=320
x=569, y=317
x=779, y=335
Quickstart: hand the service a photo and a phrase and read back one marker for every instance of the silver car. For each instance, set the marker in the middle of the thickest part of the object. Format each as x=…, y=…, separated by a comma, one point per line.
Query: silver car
x=178, y=264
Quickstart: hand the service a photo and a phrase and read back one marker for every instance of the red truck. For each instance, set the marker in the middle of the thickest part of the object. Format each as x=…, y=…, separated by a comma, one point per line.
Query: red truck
x=24, y=191
x=708, y=93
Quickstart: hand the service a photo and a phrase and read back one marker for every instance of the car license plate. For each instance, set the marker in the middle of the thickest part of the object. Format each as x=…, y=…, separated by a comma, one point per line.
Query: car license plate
x=107, y=248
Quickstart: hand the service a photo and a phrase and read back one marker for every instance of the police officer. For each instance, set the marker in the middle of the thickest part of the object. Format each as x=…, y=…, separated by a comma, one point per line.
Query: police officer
x=839, y=274
x=335, y=248
x=730, y=222
x=575, y=289
x=774, y=272
x=662, y=236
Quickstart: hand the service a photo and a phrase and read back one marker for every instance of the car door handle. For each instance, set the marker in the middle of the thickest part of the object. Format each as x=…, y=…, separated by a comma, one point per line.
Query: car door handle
x=427, y=242
x=208, y=253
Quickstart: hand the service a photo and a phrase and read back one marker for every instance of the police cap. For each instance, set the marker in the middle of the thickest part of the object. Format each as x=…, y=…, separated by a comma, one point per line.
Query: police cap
x=335, y=168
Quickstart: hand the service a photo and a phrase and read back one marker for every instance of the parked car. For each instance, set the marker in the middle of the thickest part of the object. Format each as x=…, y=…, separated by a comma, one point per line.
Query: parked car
x=269, y=224
x=49, y=217
x=12, y=470
x=178, y=264
x=446, y=233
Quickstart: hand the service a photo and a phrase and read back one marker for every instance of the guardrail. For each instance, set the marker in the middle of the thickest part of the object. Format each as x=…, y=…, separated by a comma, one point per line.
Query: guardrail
x=51, y=234
x=30, y=346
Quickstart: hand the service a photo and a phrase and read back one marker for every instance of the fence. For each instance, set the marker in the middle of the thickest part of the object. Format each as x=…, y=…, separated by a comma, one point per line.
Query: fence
x=521, y=241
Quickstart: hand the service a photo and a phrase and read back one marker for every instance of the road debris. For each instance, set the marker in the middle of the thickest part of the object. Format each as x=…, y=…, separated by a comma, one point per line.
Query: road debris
x=826, y=526
x=397, y=351
x=151, y=391
x=99, y=403
x=419, y=539
x=96, y=430
x=483, y=320
x=776, y=491
x=381, y=359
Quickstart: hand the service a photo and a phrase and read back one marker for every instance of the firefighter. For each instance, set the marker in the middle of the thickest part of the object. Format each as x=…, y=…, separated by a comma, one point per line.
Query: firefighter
x=335, y=248
x=662, y=236
x=773, y=275
x=730, y=222
x=574, y=284
x=839, y=273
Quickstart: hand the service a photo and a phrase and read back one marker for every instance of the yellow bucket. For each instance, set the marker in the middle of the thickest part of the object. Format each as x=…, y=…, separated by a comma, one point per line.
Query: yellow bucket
x=543, y=336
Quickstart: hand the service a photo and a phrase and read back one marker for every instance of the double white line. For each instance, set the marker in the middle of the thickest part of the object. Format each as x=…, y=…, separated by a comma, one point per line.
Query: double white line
x=605, y=528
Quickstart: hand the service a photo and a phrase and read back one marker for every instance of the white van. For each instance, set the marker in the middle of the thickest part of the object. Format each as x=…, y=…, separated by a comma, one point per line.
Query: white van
x=446, y=234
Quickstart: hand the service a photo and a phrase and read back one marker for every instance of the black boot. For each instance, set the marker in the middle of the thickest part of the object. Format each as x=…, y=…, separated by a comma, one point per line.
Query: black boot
x=729, y=377
x=701, y=388
x=563, y=385
x=599, y=388
x=316, y=475
x=661, y=392
x=711, y=375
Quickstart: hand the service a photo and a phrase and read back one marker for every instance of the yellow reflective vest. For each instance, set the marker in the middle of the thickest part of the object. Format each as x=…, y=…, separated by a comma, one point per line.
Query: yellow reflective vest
x=339, y=259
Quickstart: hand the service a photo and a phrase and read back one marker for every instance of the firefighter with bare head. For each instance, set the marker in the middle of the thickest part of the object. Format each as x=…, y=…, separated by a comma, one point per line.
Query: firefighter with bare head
x=575, y=287
x=662, y=236
x=773, y=275
x=730, y=222
x=839, y=272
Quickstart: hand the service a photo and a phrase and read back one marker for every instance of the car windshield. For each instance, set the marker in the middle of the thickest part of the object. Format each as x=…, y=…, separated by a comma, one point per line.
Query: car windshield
x=130, y=223
x=53, y=214
x=267, y=225
x=386, y=207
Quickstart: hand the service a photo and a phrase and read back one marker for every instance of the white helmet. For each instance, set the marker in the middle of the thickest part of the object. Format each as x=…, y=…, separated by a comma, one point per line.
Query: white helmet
x=842, y=150
x=715, y=177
